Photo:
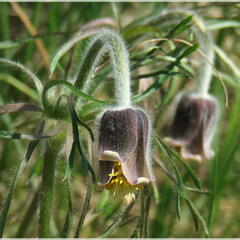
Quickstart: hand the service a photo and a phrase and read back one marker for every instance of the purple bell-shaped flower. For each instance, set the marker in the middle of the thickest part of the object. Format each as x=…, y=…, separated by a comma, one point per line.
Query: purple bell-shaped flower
x=123, y=151
x=193, y=126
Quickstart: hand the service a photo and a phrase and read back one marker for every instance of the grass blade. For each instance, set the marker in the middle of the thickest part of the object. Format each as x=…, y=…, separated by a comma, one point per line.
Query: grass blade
x=22, y=164
x=84, y=208
x=22, y=87
x=17, y=107
x=29, y=73
x=66, y=47
x=20, y=136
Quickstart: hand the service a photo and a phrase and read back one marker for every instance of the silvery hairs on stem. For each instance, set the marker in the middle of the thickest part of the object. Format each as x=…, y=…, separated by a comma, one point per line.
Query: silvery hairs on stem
x=104, y=41
x=123, y=131
x=197, y=112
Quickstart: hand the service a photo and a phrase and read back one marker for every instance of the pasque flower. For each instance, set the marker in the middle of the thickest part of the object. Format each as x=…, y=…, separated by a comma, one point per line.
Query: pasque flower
x=194, y=125
x=123, y=151
x=196, y=113
x=123, y=130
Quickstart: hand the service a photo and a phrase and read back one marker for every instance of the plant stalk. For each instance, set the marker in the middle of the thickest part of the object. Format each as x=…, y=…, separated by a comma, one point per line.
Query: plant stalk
x=47, y=189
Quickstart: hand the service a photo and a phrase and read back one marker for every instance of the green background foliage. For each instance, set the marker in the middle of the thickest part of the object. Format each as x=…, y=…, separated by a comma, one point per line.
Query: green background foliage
x=48, y=161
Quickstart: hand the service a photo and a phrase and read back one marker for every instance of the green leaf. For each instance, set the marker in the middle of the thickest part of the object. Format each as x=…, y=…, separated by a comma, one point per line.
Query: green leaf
x=66, y=47
x=17, y=107
x=188, y=51
x=69, y=217
x=194, y=215
x=22, y=87
x=172, y=153
x=25, y=70
x=89, y=110
x=142, y=54
x=197, y=216
x=85, y=165
x=20, y=136
x=139, y=30
x=178, y=206
x=80, y=122
x=21, y=165
x=71, y=160
x=181, y=27
x=118, y=221
x=84, y=208
x=214, y=187
x=69, y=86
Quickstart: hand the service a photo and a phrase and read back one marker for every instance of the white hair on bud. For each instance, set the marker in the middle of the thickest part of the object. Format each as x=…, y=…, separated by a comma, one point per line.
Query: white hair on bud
x=110, y=42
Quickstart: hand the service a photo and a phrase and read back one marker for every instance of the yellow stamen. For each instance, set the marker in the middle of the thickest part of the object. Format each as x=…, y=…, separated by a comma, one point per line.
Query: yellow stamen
x=120, y=186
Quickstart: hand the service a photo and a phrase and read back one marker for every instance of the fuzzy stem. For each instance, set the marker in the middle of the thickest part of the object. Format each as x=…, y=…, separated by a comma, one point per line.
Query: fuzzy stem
x=46, y=195
x=204, y=74
x=107, y=41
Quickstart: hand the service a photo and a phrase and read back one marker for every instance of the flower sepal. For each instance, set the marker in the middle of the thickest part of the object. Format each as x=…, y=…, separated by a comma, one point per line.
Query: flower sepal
x=124, y=162
x=193, y=126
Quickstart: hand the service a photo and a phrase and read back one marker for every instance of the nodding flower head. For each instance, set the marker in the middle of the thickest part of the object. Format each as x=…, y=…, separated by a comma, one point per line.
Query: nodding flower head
x=123, y=134
x=194, y=125
x=123, y=152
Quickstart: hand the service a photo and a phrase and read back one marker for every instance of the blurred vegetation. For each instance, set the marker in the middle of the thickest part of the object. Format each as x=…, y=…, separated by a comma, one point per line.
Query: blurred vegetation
x=188, y=199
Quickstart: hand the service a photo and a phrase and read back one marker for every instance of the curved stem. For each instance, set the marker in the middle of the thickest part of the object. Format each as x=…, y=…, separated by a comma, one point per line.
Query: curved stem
x=107, y=41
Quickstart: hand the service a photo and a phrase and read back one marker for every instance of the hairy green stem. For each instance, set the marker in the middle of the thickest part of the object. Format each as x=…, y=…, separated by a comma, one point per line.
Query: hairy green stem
x=46, y=195
x=107, y=41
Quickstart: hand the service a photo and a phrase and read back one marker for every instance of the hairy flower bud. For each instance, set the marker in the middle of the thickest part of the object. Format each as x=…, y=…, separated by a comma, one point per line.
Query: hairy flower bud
x=123, y=151
x=194, y=125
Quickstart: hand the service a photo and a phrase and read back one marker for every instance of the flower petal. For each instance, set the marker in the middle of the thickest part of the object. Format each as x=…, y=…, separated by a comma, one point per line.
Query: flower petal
x=136, y=165
x=118, y=133
x=123, y=138
x=194, y=125
x=186, y=122
x=105, y=168
x=200, y=145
